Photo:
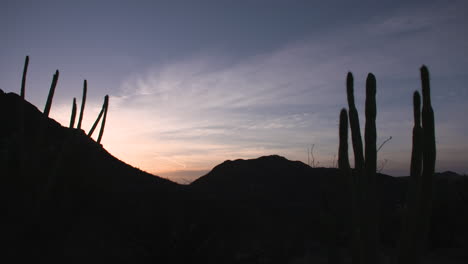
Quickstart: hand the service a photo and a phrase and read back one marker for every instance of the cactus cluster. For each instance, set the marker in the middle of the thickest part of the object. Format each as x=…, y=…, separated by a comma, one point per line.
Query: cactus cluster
x=74, y=107
x=103, y=112
x=363, y=181
x=105, y=106
x=416, y=221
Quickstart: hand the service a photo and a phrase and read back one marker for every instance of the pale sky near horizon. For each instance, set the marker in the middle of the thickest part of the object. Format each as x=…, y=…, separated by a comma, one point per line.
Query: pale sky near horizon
x=194, y=83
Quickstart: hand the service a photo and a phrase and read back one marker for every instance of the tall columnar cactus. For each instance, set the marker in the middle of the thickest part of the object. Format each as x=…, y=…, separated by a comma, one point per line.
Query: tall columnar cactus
x=354, y=124
x=106, y=105
x=370, y=234
x=411, y=218
x=356, y=177
x=73, y=113
x=364, y=182
x=91, y=131
x=417, y=149
x=429, y=158
x=343, y=159
x=23, y=80
x=51, y=93
x=83, y=102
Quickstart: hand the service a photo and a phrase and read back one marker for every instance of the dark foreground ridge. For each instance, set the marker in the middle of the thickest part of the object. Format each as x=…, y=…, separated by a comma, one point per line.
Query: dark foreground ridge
x=66, y=198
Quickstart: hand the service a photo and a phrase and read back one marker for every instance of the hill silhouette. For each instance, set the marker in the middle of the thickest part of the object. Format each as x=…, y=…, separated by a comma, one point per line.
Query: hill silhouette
x=65, y=194
x=300, y=198
x=67, y=198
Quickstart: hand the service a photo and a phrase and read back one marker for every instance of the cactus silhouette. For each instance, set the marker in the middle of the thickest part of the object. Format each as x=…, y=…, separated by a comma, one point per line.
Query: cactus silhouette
x=354, y=124
x=91, y=131
x=429, y=159
x=358, y=170
x=106, y=105
x=73, y=113
x=407, y=246
x=51, y=93
x=343, y=159
x=416, y=222
x=83, y=102
x=370, y=232
x=364, y=183
x=416, y=219
x=23, y=80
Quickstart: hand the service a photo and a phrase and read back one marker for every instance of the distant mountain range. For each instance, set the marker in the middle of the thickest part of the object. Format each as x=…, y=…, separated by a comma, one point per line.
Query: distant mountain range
x=66, y=198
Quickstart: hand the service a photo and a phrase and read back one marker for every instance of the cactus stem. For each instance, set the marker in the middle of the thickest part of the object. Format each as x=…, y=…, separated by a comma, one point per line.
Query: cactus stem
x=106, y=106
x=73, y=114
x=51, y=93
x=83, y=102
x=23, y=80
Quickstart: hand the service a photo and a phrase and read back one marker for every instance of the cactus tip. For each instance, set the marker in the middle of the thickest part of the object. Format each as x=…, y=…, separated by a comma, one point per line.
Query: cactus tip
x=371, y=84
x=416, y=99
x=425, y=85
x=343, y=112
x=424, y=69
x=349, y=80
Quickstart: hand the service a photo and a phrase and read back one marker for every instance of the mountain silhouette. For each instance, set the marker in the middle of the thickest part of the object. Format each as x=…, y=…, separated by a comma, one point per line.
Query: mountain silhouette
x=66, y=198
x=65, y=195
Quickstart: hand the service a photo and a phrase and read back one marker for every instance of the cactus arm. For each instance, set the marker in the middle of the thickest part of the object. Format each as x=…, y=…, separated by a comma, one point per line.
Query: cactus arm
x=343, y=159
x=73, y=114
x=91, y=131
x=83, y=102
x=106, y=105
x=354, y=124
x=51, y=93
x=23, y=80
x=407, y=253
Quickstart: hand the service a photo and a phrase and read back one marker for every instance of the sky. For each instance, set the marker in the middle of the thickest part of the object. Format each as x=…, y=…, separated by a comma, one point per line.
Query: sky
x=195, y=83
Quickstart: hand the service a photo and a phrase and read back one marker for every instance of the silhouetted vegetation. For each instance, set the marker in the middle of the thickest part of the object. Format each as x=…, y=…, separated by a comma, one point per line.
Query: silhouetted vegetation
x=73, y=113
x=23, y=80
x=103, y=110
x=106, y=105
x=417, y=213
x=83, y=102
x=50, y=97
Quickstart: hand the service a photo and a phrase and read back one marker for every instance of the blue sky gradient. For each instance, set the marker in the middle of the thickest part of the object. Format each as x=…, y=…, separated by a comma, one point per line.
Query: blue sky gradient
x=193, y=83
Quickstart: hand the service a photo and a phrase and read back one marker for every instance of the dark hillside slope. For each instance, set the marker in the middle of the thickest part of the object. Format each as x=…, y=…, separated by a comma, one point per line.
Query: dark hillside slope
x=277, y=180
x=270, y=178
x=66, y=195
x=273, y=199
